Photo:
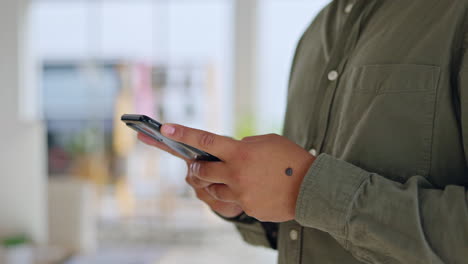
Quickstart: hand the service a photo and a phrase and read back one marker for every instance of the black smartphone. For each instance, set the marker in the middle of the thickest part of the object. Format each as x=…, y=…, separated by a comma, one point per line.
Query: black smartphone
x=152, y=128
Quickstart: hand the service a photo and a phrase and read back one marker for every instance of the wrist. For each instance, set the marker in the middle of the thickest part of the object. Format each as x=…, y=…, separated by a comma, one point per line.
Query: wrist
x=308, y=161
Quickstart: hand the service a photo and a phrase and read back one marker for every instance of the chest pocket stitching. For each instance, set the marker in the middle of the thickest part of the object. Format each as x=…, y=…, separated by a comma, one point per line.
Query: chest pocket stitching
x=377, y=80
x=393, y=78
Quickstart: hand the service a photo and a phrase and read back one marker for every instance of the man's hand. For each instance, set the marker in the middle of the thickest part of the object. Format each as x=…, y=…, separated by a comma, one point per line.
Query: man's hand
x=261, y=174
x=226, y=209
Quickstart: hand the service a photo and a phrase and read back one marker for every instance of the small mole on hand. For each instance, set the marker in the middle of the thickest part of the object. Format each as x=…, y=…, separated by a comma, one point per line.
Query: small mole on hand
x=289, y=171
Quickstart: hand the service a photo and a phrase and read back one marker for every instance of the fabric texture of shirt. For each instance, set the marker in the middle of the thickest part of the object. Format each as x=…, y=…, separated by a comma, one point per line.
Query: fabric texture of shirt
x=379, y=90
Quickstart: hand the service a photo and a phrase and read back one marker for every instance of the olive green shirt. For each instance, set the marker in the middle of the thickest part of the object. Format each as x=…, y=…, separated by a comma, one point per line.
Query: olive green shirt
x=379, y=91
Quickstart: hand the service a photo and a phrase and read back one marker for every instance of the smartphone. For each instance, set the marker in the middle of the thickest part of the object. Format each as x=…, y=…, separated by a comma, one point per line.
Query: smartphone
x=152, y=128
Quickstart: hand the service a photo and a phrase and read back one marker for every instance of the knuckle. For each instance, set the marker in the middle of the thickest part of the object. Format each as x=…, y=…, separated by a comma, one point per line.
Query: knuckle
x=207, y=139
x=248, y=138
x=273, y=135
x=243, y=153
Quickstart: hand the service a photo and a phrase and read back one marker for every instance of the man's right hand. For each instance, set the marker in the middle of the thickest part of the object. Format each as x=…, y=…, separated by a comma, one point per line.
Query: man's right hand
x=225, y=209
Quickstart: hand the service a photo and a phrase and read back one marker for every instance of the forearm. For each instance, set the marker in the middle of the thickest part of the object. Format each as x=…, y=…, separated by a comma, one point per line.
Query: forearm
x=382, y=221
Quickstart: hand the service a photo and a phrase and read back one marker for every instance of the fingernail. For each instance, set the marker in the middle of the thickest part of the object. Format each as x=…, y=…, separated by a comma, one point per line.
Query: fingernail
x=168, y=130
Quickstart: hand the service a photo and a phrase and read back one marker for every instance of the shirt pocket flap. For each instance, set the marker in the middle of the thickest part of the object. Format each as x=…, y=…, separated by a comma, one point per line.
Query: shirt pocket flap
x=395, y=78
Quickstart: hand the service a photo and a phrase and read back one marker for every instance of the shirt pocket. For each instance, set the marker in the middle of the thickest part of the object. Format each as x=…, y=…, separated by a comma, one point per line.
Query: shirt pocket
x=384, y=116
x=394, y=78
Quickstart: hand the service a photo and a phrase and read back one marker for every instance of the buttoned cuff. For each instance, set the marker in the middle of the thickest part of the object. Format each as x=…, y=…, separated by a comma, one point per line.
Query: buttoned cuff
x=327, y=193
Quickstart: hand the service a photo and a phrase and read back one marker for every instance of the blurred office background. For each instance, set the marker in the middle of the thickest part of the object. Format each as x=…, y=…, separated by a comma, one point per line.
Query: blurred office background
x=76, y=186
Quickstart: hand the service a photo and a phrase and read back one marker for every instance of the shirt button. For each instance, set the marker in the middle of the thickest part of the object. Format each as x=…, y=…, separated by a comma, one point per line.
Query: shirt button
x=313, y=152
x=348, y=8
x=293, y=234
x=333, y=75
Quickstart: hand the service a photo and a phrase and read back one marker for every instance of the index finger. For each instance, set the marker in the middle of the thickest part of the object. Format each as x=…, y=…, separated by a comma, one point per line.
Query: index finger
x=152, y=142
x=217, y=145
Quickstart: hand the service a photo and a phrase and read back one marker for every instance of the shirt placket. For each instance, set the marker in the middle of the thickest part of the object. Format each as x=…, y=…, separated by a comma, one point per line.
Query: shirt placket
x=355, y=10
x=338, y=59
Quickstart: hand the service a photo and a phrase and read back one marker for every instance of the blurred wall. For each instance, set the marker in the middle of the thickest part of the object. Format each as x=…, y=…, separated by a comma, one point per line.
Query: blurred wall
x=245, y=71
x=22, y=156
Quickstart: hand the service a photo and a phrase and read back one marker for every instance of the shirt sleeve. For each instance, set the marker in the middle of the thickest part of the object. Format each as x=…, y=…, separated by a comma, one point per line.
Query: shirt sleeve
x=255, y=232
x=383, y=221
